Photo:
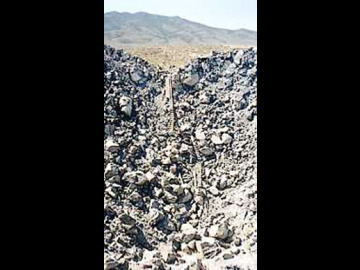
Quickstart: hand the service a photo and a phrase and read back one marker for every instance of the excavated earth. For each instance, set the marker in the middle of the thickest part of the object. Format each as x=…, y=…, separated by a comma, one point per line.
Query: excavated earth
x=180, y=163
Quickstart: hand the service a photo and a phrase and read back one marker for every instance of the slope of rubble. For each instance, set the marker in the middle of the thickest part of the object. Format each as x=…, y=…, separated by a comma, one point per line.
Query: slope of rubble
x=180, y=163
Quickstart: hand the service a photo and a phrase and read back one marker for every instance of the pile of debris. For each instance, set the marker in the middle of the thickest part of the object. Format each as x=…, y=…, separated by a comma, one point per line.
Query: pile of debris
x=180, y=163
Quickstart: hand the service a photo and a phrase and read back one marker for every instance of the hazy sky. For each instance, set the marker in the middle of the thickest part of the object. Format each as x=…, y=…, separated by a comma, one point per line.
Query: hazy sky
x=229, y=14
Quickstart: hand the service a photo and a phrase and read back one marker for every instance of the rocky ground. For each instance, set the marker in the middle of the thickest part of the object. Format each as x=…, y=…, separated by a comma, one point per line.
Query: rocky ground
x=180, y=155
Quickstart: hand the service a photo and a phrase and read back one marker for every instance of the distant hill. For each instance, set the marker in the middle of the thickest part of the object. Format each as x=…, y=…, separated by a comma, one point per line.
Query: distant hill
x=144, y=29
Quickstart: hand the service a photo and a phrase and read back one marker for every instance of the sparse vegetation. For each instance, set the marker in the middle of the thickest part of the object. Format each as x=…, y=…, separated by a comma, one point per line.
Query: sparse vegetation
x=178, y=56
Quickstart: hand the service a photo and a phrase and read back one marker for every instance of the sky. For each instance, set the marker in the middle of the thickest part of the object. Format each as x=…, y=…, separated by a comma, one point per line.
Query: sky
x=228, y=14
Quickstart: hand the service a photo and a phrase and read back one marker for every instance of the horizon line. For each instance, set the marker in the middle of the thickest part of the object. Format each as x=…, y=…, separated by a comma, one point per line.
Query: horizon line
x=176, y=16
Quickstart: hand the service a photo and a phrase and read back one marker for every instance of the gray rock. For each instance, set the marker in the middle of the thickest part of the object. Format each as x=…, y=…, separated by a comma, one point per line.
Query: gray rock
x=111, y=146
x=206, y=151
x=136, y=76
x=223, y=184
x=126, y=106
x=228, y=255
x=127, y=220
x=226, y=138
x=238, y=57
x=220, y=232
x=188, y=233
x=192, y=80
x=214, y=191
x=200, y=135
x=186, y=197
x=216, y=140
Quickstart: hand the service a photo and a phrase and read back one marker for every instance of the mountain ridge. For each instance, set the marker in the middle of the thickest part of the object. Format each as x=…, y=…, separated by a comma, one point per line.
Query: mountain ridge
x=144, y=29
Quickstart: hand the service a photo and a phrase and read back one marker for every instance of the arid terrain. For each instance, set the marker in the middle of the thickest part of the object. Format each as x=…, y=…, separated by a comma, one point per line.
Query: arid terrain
x=166, y=56
x=180, y=144
x=180, y=159
x=144, y=29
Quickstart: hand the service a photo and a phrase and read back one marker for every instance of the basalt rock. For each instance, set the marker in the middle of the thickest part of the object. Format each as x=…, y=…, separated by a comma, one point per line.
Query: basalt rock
x=162, y=204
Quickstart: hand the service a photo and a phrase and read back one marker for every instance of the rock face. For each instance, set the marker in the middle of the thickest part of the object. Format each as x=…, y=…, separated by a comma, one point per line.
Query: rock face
x=182, y=197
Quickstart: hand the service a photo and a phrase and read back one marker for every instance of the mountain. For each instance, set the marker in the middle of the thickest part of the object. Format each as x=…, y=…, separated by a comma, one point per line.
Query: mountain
x=144, y=29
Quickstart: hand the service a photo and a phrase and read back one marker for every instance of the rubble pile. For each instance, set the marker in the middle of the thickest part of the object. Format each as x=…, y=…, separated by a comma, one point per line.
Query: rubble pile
x=180, y=163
